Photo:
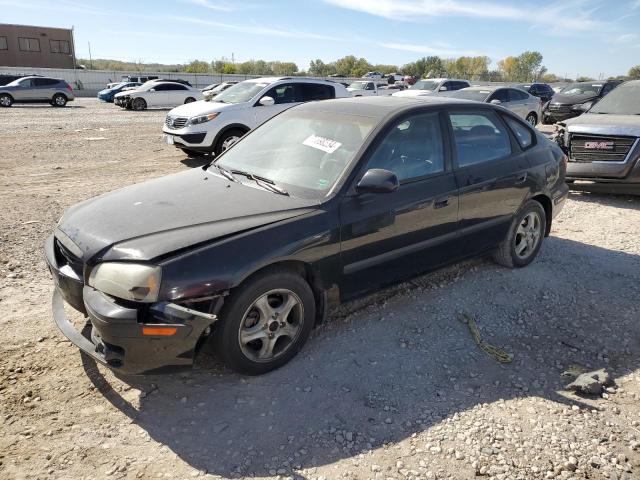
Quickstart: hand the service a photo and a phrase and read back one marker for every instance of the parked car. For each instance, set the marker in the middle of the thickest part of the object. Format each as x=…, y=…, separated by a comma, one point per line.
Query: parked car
x=36, y=89
x=373, y=75
x=514, y=99
x=603, y=144
x=575, y=99
x=213, y=126
x=392, y=78
x=107, y=94
x=364, y=88
x=433, y=86
x=410, y=79
x=157, y=94
x=323, y=203
x=540, y=90
x=141, y=79
x=209, y=94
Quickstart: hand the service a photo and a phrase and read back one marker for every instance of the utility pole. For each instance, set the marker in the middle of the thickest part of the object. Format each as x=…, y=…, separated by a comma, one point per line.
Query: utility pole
x=233, y=58
x=90, y=59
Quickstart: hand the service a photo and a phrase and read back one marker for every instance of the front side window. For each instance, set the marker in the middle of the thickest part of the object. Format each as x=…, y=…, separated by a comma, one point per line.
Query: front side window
x=522, y=133
x=502, y=95
x=28, y=44
x=479, y=137
x=424, y=85
x=171, y=86
x=412, y=149
x=3, y=43
x=305, y=152
x=282, y=93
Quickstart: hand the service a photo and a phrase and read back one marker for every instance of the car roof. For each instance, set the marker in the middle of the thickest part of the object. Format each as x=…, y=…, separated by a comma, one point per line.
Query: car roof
x=490, y=88
x=379, y=107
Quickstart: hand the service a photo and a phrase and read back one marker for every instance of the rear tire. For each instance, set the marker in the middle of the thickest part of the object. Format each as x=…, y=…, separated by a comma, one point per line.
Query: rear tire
x=59, y=100
x=6, y=100
x=265, y=323
x=524, y=239
x=139, y=104
x=532, y=119
x=227, y=140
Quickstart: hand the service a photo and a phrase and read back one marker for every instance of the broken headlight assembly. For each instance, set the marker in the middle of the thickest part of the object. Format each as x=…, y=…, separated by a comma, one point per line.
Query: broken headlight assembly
x=128, y=281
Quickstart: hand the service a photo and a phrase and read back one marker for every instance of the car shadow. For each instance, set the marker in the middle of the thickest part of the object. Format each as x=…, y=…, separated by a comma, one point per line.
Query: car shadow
x=45, y=105
x=195, y=162
x=607, y=199
x=398, y=362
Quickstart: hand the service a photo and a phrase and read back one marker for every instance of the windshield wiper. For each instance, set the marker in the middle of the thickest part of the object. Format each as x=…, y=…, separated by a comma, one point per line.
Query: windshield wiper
x=223, y=171
x=262, y=181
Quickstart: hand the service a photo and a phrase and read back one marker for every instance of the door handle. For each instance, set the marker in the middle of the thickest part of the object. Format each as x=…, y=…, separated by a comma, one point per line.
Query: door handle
x=441, y=202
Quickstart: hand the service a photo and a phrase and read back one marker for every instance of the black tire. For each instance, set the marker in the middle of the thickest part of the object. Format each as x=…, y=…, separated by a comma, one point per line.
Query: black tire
x=59, y=100
x=189, y=100
x=237, y=312
x=192, y=153
x=532, y=119
x=225, y=138
x=6, y=100
x=506, y=254
x=139, y=104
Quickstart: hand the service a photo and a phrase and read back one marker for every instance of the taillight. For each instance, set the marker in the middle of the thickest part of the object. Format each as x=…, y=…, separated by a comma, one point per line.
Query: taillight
x=69, y=88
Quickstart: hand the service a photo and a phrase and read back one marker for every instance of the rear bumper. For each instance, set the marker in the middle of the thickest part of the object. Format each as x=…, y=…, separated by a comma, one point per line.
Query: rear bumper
x=118, y=335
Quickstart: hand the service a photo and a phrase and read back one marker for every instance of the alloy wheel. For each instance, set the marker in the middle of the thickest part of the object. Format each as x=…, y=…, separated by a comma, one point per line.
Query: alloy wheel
x=60, y=101
x=532, y=120
x=229, y=142
x=528, y=235
x=271, y=325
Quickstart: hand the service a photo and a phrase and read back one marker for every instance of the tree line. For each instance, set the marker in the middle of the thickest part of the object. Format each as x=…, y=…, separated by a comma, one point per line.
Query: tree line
x=526, y=67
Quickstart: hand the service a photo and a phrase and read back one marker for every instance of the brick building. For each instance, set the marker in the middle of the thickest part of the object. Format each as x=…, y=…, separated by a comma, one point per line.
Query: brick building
x=29, y=46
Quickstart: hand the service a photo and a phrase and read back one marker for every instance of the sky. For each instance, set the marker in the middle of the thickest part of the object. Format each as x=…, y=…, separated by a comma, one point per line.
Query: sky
x=576, y=37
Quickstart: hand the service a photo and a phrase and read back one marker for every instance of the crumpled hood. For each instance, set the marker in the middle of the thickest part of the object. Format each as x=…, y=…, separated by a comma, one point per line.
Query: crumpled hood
x=201, y=107
x=605, y=124
x=572, y=99
x=150, y=219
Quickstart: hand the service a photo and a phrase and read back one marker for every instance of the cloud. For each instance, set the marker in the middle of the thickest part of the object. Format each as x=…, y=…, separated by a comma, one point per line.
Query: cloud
x=217, y=6
x=442, y=50
x=562, y=17
x=254, y=30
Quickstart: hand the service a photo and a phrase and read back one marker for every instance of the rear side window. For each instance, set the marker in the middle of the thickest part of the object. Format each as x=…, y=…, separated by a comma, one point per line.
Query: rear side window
x=44, y=82
x=479, y=137
x=308, y=92
x=175, y=86
x=522, y=133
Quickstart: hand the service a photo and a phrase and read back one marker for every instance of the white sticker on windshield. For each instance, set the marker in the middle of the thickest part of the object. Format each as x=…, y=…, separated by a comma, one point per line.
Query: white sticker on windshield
x=322, y=143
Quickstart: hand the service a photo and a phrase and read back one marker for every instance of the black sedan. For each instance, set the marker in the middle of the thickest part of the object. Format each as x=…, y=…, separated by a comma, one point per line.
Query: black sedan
x=325, y=202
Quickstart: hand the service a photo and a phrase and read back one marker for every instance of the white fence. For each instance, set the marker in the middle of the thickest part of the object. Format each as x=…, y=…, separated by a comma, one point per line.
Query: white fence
x=87, y=83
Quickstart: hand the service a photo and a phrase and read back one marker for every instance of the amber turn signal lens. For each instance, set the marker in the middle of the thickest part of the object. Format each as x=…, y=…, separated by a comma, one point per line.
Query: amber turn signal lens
x=159, y=331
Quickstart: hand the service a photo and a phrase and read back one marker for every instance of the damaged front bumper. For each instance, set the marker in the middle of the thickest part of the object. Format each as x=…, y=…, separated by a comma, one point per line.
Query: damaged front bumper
x=129, y=338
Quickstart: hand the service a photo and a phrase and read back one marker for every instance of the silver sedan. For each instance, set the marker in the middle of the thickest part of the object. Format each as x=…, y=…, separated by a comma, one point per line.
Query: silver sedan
x=514, y=99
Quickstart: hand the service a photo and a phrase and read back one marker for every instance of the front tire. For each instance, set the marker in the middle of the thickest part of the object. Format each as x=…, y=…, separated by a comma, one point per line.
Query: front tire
x=59, y=100
x=189, y=100
x=227, y=140
x=6, y=100
x=524, y=239
x=265, y=323
x=139, y=104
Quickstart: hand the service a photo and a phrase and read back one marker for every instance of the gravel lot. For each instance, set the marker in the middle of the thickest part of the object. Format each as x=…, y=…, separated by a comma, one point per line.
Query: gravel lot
x=393, y=386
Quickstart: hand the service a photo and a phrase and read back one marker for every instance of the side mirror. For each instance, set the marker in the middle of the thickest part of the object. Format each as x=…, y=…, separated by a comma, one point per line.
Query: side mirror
x=443, y=89
x=267, y=101
x=377, y=180
x=152, y=89
x=495, y=101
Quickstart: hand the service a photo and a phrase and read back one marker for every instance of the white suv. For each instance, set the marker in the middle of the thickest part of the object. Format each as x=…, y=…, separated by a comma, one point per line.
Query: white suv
x=215, y=125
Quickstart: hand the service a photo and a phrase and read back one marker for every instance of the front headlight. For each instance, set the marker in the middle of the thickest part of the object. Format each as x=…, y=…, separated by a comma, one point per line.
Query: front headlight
x=582, y=107
x=129, y=281
x=202, y=118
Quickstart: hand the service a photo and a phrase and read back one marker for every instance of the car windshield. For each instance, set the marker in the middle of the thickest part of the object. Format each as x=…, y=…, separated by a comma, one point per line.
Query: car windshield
x=424, y=85
x=303, y=152
x=467, y=94
x=240, y=92
x=358, y=85
x=623, y=100
x=118, y=85
x=581, y=89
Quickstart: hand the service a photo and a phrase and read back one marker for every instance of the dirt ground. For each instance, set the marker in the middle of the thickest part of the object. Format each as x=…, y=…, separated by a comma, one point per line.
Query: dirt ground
x=393, y=386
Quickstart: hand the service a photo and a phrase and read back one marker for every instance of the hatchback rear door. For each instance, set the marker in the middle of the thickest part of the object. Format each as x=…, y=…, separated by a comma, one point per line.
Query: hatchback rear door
x=492, y=173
